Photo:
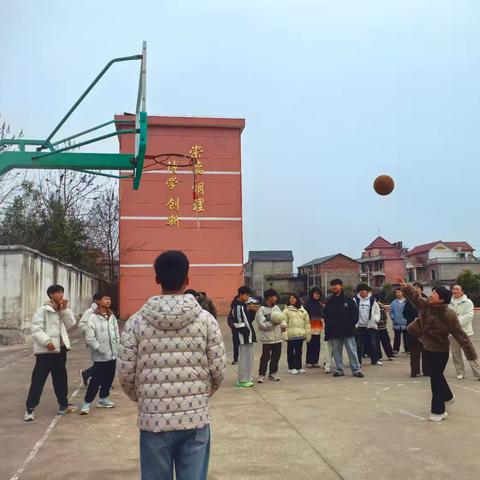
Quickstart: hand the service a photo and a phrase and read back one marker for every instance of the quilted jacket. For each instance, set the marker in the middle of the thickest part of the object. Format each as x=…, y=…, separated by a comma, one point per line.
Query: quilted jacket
x=171, y=360
x=51, y=325
x=102, y=336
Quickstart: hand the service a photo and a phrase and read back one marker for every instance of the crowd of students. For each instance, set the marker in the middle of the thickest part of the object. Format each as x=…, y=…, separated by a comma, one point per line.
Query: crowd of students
x=427, y=326
x=170, y=356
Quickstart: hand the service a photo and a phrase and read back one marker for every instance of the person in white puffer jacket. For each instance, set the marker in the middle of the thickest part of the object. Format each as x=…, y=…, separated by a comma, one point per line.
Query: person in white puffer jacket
x=271, y=323
x=171, y=361
x=86, y=374
x=50, y=345
x=464, y=309
x=366, y=328
x=103, y=339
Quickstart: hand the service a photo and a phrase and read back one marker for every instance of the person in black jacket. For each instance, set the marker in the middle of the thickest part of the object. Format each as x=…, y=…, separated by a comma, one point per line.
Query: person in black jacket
x=315, y=311
x=341, y=316
x=417, y=353
x=240, y=320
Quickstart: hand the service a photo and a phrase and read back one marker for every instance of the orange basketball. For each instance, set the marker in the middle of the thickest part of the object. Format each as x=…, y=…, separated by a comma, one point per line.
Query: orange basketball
x=384, y=185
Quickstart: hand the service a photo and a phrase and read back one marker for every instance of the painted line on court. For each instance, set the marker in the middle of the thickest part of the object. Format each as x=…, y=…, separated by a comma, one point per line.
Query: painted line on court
x=465, y=388
x=398, y=384
x=404, y=412
x=40, y=443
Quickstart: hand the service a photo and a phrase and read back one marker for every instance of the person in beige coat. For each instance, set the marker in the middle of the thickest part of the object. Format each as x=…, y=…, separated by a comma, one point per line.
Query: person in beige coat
x=298, y=330
x=464, y=309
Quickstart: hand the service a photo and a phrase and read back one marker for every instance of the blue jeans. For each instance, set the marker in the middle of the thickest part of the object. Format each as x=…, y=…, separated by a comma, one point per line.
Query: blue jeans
x=188, y=451
x=351, y=347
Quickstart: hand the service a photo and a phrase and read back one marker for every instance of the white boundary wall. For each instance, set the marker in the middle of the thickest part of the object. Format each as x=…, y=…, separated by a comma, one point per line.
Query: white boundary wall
x=25, y=275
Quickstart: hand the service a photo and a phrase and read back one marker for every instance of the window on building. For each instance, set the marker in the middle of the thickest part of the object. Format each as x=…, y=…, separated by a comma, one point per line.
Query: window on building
x=432, y=274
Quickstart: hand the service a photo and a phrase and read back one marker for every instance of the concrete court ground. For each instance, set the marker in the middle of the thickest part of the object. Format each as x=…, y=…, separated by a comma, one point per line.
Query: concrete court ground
x=305, y=427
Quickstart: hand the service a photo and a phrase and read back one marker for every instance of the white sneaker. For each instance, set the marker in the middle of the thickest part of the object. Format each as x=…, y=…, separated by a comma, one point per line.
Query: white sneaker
x=379, y=362
x=261, y=380
x=327, y=370
x=460, y=377
x=438, y=418
x=294, y=371
x=302, y=370
x=309, y=365
x=273, y=377
x=452, y=400
x=85, y=410
x=29, y=416
x=106, y=403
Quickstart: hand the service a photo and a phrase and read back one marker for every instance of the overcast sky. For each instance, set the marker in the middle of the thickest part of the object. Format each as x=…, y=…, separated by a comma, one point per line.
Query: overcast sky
x=334, y=93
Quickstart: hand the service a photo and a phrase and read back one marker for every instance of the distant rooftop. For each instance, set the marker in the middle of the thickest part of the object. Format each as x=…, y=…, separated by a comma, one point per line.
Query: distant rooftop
x=380, y=242
x=426, y=247
x=319, y=261
x=270, y=256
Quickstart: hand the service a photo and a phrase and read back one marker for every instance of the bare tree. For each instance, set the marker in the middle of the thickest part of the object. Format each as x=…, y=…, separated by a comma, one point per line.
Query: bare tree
x=103, y=219
x=11, y=182
x=77, y=191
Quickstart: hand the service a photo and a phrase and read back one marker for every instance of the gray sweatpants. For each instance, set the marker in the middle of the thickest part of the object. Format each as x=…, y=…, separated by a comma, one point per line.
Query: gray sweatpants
x=245, y=363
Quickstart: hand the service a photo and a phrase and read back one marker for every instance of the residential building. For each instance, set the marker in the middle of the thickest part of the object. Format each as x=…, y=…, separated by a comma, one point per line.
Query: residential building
x=270, y=263
x=320, y=271
x=382, y=262
x=440, y=263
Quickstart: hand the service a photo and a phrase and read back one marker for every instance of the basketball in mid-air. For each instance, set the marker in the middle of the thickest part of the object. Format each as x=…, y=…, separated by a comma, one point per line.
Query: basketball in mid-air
x=384, y=185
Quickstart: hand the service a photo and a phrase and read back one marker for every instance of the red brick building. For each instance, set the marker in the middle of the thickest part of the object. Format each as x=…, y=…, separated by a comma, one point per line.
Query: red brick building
x=320, y=271
x=440, y=263
x=163, y=215
x=382, y=262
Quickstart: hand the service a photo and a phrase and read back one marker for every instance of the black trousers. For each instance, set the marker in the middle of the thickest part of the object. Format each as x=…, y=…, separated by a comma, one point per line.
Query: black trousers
x=367, y=337
x=45, y=364
x=89, y=371
x=437, y=361
x=271, y=352
x=418, y=356
x=103, y=375
x=383, y=340
x=313, y=350
x=236, y=343
x=398, y=340
x=294, y=353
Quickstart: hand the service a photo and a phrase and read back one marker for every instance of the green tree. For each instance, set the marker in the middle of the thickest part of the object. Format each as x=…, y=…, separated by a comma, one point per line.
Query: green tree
x=104, y=223
x=64, y=236
x=21, y=223
x=470, y=283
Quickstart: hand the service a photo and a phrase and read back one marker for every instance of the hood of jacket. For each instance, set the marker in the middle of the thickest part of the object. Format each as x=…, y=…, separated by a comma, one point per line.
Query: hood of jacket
x=364, y=300
x=97, y=311
x=171, y=312
x=52, y=306
x=236, y=302
x=457, y=301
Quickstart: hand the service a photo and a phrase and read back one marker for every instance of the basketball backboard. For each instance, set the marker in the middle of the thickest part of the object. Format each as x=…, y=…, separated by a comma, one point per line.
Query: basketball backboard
x=50, y=154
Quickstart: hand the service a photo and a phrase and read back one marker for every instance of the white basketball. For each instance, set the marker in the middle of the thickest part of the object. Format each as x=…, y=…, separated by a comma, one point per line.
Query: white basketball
x=277, y=318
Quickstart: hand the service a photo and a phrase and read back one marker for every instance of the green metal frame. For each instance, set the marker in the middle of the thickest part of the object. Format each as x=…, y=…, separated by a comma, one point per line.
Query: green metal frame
x=57, y=157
